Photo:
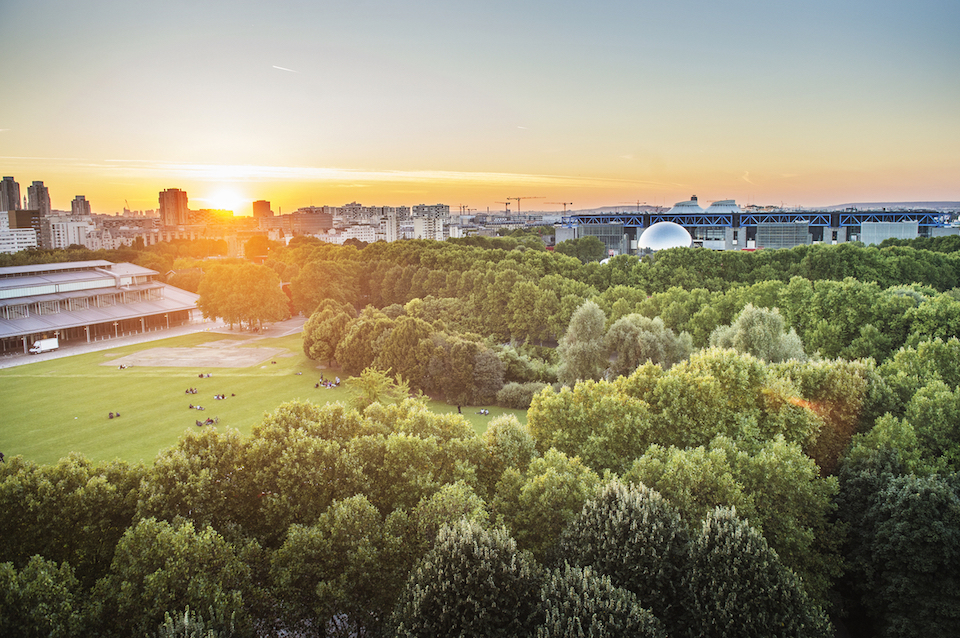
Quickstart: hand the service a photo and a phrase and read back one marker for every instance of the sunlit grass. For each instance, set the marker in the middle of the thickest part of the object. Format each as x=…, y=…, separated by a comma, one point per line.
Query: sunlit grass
x=55, y=407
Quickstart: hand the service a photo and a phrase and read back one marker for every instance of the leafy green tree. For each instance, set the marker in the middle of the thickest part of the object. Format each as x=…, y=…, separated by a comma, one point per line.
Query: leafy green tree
x=325, y=279
x=258, y=246
x=586, y=249
x=913, y=367
x=376, y=386
x=738, y=586
x=578, y=602
x=537, y=504
x=509, y=444
x=777, y=489
x=760, y=332
x=934, y=412
x=633, y=536
x=839, y=392
x=98, y=500
x=201, y=479
x=401, y=351
x=582, y=352
x=635, y=339
x=903, y=547
x=447, y=506
x=596, y=421
x=358, y=349
x=243, y=294
x=160, y=566
x=474, y=582
x=42, y=599
x=325, y=328
x=336, y=573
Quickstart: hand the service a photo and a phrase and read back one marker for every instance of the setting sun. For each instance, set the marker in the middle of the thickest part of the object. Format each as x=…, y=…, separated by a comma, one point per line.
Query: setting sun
x=225, y=199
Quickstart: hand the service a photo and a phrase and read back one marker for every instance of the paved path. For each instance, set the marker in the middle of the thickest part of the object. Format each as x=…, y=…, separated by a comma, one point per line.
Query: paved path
x=280, y=329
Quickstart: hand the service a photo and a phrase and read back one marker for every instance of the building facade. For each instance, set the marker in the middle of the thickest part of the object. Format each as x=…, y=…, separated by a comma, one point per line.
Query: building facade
x=38, y=198
x=261, y=208
x=86, y=301
x=173, y=207
x=80, y=206
x=9, y=194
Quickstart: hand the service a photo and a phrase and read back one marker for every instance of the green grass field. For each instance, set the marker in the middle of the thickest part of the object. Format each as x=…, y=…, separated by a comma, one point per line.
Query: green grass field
x=52, y=408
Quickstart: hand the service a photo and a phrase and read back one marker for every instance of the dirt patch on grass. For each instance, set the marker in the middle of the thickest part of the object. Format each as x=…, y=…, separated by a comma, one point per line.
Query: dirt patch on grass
x=220, y=356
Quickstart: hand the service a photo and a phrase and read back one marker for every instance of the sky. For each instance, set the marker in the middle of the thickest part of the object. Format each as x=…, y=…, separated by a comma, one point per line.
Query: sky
x=601, y=103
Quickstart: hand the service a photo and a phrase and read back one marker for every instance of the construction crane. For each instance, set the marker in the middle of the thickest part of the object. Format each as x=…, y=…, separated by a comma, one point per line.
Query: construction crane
x=564, y=204
x=506, y=204
x=638, y=204
x=518, y=201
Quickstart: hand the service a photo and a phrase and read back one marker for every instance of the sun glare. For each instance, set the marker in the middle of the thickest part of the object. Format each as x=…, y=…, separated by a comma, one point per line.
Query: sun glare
x=226, y=199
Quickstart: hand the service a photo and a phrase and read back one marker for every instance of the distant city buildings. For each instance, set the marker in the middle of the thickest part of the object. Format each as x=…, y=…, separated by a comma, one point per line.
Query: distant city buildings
x=723, y=225
x=173, y=208
x=80, y=206
x=9, y=195
x=38, y=198
x=261, y=209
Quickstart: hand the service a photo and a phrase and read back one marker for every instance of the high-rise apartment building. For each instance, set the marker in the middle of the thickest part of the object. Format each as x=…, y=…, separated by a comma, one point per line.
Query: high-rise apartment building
x=38, y=198
x=9, y=194
x=173, y=208
x=80, y=205
x=261, y=208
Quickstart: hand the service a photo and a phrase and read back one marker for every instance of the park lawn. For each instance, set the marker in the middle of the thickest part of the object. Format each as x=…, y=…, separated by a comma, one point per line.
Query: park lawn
x=52, y=408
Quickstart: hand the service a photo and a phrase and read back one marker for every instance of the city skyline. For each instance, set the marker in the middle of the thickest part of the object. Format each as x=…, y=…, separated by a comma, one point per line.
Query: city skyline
x=605, y=104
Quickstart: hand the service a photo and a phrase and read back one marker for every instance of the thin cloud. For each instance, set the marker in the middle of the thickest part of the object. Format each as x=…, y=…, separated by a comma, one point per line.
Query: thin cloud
x=241, y=173
x=746, y=177
x=283, y=68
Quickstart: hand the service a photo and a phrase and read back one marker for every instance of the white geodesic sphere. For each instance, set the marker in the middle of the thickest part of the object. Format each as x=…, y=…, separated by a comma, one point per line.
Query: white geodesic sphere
x=664, y=235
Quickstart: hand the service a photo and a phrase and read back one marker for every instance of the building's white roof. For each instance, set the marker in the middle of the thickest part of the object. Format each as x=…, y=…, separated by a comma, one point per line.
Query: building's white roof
x=685, y=208
x=724, y=207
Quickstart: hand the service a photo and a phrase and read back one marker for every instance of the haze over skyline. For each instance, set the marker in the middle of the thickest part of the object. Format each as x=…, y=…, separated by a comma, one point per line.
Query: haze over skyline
x=599, y=104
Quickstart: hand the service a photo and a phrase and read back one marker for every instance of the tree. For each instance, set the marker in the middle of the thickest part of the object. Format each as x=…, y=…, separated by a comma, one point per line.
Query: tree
x=245, y=294
x=325, y=328
x=358, y=347
x=595, y=421
x=586, y=249
x=42, y=599
x=336, y=573
x=474, y=582
x=635, y=339
x=634, y=537
x=376, y=386
x=903, y=548
x=324, y=279
x=581, y=350
x=160, y=566
x=99, y=500
x=257, y=247
x=401, y=351
x=576, y=601
x=760, y=332
x=537, y=504
x=776, y=489
x=739, y=587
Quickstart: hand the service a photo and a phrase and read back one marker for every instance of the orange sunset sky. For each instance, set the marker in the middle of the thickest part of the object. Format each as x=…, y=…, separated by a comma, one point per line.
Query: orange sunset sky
x=469, y=103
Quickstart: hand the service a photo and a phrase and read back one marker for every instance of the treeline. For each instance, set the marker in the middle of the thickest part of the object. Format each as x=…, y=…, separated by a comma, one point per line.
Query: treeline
x=445, y=295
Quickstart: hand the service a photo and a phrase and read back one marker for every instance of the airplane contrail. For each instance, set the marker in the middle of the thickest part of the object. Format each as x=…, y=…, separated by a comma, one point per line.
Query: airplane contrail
x=285, y=69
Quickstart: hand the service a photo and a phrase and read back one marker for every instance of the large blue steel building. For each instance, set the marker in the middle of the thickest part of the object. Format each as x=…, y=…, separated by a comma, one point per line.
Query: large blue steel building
x=725, y=226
